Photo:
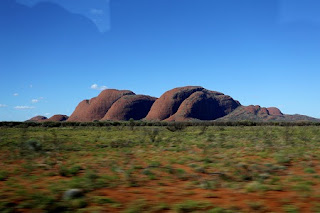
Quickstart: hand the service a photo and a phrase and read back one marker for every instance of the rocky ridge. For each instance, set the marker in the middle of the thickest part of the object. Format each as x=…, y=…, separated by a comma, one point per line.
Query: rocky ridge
x=189, y=103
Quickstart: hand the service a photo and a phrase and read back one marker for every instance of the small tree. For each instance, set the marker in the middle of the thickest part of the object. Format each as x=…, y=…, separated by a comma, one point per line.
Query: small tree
x=131, y=123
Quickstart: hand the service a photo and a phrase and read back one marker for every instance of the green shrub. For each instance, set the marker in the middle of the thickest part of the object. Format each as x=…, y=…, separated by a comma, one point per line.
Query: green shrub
x=89, y=181
x=291, y=209
x=203, y=129
x=33, y=145
x=257, y=206
x=137, y=206
x=160, y=207
x=154, y=164
x=103, y=200
x=147, y=172
x=190, y=206
x=74, y=170
x=77, y=203
x=63, y=171
x=181, y=174
x=219, y=210
x=153, y=134
x=208, y=184
x=3, y=175
x=121, y=144
x=132, y=123
x=176, y=126
x=256, y=187
x=302, y=187
x=309, y=170
x=282, y=159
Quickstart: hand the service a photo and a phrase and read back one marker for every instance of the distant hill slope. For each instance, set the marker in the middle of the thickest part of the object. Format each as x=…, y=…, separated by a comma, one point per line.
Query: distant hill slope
x=54, y=118
x=38, y=118
x=58, y=118
x=257, y=113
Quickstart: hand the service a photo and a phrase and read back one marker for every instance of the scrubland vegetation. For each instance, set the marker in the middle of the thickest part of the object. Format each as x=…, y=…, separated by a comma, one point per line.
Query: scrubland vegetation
x=163, y=168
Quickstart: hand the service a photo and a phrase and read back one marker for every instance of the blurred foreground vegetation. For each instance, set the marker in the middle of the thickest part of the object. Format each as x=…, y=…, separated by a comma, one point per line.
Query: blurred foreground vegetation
x=159, y=168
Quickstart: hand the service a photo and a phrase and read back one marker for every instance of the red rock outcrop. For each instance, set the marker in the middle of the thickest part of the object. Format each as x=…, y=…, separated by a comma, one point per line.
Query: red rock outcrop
x=252, y=109
x=273, y=111
x=204, y=105
x=130, y=106
x=183, y=103
x=58, y=118
x=79, y=114
x=96, y=108
x=169, y=102
x=179, y=104
x=257, y=113
x=38, y=118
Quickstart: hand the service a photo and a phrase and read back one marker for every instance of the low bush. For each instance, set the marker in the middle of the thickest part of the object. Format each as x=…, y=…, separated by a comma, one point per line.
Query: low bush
x=191, y=206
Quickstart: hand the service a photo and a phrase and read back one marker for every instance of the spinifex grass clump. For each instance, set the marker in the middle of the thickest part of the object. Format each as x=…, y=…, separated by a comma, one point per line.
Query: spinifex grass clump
x=153, y=134
x=191, y=206
x=3, y=175
x=176, y=126
x=72, y=171
x=30, y=148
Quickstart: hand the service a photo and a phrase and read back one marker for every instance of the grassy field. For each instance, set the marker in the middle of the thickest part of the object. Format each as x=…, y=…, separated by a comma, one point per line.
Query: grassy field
x=160, y=169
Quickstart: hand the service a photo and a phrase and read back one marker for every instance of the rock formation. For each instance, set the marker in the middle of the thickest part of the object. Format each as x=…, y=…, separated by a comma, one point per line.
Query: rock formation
x=96, y=108
x=189, y=103
x=130, y=106
x=58, y=118
x=169, y=102
x=254, y=113
x=38, y=118
x=274, y=111
x=179, y=104
x=257, y=113
x=258, y=110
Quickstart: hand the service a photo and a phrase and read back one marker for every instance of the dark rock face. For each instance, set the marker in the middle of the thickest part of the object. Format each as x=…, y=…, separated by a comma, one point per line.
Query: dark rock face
x=58, y=118
x=226, y=103
x=191, y=102
x=96, y=108
x=204, y=105
x=199, y=106
x=130, y=106
x=38, y=118
x=169, y=102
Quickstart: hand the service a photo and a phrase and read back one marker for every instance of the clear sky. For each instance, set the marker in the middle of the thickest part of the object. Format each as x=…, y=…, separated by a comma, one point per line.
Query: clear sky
x=55, y=53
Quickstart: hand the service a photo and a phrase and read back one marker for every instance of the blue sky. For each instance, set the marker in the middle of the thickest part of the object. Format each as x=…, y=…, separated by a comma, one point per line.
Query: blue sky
x=55, y=53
